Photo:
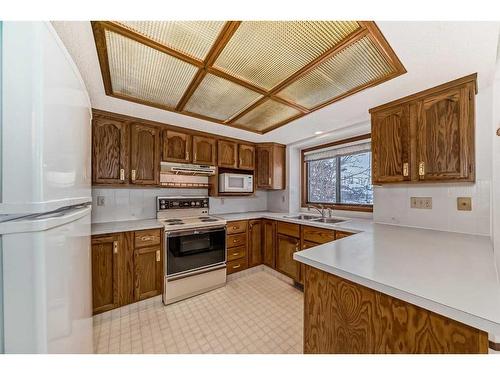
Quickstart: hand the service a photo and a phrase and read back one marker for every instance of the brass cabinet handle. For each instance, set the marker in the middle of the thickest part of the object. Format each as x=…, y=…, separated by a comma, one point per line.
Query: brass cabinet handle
x=195, y=156
x=421, y=168
x=122, y=174
x=235, y=227
x=237, y=266
x=234, y=241
x=234, y=254
x=157, y=255
x=133, y=174
x=241, y=161
x=269, y=180
x=115, y=247
x=187, y=154
x=405, y=169
x=147, y=238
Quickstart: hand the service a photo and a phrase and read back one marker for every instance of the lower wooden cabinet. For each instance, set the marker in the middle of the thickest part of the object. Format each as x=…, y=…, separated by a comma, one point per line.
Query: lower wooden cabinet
x=105, y=290
x=269, y=243
x=126, y=267
x=254, y=242
x=285, y=263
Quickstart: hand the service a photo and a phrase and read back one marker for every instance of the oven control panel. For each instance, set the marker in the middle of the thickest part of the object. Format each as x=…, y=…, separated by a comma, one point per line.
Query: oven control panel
x=170, y=203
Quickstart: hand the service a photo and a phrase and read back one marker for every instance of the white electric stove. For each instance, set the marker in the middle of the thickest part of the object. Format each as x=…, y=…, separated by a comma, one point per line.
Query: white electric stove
x=195, y=247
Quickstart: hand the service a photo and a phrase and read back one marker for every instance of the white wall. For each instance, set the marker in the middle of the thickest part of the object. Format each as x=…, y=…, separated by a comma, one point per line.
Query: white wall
x=136, y=203
x=392, y=203
x=496, y=164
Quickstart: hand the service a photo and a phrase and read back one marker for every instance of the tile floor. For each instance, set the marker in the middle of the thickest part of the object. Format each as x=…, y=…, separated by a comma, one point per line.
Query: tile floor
x=256, y=312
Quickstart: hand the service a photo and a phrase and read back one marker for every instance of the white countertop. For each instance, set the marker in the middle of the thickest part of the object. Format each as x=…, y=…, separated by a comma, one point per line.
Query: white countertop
x=124, y=226
x=451, y=274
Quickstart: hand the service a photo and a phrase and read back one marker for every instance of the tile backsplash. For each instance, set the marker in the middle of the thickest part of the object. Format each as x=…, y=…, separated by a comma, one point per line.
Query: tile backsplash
x=392, y=206
x=134, y=204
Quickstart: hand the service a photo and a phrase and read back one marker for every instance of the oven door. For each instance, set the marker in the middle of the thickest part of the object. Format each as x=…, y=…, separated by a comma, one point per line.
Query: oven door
x=195, y=249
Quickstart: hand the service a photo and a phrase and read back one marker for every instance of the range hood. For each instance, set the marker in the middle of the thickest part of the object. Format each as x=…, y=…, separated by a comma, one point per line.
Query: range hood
x=187, y=169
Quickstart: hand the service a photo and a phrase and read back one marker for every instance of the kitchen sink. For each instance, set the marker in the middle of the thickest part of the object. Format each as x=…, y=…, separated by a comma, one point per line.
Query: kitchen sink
x=328, y=220
x=303, y=217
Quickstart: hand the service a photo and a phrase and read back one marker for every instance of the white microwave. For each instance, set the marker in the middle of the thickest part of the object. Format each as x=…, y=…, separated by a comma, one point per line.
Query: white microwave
x=235, y=183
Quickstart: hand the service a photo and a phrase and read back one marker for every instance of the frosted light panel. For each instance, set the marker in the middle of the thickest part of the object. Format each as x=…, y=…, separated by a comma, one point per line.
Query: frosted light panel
x=267, y=52
x=266, y=115
x=144, y=73
x=358, y=64
x=194, y=38
x=219, y=98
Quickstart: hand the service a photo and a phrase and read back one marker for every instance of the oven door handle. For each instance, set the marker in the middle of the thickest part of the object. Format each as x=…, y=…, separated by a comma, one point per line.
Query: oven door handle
x=188, y=232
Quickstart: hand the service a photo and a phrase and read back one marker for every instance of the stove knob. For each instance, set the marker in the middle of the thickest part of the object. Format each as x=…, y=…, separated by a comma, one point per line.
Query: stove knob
x=193, y=203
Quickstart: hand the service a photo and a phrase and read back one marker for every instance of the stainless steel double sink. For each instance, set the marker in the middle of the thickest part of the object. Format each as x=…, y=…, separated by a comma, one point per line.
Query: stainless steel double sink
x=327, y=220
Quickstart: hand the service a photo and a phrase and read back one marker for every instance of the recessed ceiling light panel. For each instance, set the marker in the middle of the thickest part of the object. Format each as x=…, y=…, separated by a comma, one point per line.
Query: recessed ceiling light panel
x=267, y=115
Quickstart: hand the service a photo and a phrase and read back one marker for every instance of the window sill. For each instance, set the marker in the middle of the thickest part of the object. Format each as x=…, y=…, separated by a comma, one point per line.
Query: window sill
x=344, y=207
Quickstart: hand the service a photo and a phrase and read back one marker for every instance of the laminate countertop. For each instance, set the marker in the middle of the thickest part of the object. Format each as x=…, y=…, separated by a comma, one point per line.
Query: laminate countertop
x=124, y=226
x=451, y=274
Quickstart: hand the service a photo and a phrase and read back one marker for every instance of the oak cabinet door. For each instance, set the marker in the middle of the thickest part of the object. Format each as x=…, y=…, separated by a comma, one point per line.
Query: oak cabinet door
x=109, y=151
x=176, y=146
x=227, y=154
x=255, y=242
x=204, y=150
x=264, y=166
x=148, y=272
x=390, y=145
x=284, y=256
x=105, y=290
x=269, y=243
x=445, y=141
x=144, y=154
x=246, y=157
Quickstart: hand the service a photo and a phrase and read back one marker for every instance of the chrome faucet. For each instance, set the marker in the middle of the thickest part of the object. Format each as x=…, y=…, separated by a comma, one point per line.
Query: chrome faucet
x=321, y=210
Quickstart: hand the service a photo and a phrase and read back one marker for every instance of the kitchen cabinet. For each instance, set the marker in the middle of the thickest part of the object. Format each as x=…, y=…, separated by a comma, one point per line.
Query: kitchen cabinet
x=426, y=137
x=271, y=164
x=246, y=157
x=227, y=152
x=254, y=242
x=144, y=154
x=126, y=267
x=269, y=243
x=176, y=146
x=237, y=245
x=110, y=139
x=105, y=290
x=286, y=246
x=204, y=150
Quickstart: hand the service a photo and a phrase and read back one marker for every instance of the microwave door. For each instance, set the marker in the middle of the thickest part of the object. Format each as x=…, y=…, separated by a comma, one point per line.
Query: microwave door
x=235, y=183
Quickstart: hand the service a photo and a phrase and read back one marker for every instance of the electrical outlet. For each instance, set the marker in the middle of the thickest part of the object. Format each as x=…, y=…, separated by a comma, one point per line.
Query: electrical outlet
x=421, y=202
x=100, y=200
x=464, y=203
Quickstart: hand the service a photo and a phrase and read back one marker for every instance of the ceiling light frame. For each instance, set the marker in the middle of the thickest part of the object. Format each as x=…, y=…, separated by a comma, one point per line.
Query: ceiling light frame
x=205, y=66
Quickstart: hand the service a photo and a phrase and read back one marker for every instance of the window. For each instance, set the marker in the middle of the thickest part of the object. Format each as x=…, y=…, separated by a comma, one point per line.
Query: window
x=339, y=175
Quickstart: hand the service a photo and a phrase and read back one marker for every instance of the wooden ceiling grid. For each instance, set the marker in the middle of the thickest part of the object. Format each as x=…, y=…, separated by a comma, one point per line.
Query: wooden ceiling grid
x=367, y=31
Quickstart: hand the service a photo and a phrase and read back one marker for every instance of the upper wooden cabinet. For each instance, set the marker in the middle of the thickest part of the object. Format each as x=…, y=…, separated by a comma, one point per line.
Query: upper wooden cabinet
x=227, y=152
x=204, y=150
x=144, y=154
x=390, y=144
x=109, y=151
x=428, y=136
x=176, y=146
x=246, y=157
x=271, y=162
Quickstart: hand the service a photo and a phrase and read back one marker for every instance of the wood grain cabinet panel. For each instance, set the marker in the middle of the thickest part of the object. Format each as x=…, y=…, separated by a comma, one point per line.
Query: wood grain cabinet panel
x=204, y=150
x=390, y=145
x=109, y=151
x=236, y=265
x=176, y=146
x=148, y=276
x=227, y=154
x=271, y=164
x=344, y=317
x=236, y=226
x=317, y=235
x=269, y=243
x=444, y=136
x=285, y=249
x=239, y=239
x=144, y=154
x=148, y=237
x=105, y=273
x=234, y=253
x=254, y=242
x=246, y=158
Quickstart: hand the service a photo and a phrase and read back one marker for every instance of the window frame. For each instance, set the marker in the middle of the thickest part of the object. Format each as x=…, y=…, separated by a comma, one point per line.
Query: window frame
x=304, y=179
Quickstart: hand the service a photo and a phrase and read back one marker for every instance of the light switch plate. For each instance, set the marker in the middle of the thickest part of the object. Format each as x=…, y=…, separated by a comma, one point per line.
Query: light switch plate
x=464, y=203
x=421, y=202
x=100, y=200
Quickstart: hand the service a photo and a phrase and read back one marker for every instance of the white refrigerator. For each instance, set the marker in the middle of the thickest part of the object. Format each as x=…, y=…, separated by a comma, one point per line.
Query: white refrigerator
x=45, y=195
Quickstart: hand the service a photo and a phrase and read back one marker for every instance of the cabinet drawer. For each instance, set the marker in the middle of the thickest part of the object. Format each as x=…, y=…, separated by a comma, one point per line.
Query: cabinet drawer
x=236, y=265
x=317, y=235
x=289, y=229
x=339, y=234
x=147, y=237
x=236, y=227
x=234, y=240
x=236, y=253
